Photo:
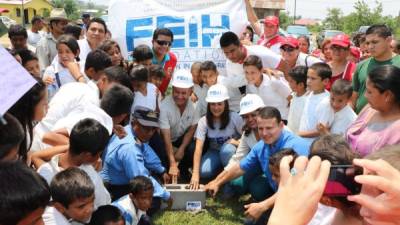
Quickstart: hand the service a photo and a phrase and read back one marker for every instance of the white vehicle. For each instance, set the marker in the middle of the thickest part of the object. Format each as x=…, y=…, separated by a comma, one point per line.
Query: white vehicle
x=7, y=21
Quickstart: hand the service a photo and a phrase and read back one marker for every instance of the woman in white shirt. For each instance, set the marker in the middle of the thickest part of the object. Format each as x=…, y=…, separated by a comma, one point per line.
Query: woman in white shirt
x=65, y=67
x=219, y=131
x=273, y=90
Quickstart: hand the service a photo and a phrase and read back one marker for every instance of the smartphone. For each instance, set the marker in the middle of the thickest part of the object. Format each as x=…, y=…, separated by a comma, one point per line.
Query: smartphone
x=341, y=181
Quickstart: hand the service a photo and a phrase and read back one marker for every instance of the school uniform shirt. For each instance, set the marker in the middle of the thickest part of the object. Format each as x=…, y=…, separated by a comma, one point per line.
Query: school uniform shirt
x=316, y=110
x=128, y=210
x=127, y=158
x=150, y=101
x=258, y=157
x=273, y=92
x=297, y=104
x=245, y=145
x=342, y=120
x=52, y=216
x=235, y=76
x=201, y=93
x=51, y=168
x=216, y=136
x=172, y=119
x=306, y=60
x=84, y=48
x=46, y=50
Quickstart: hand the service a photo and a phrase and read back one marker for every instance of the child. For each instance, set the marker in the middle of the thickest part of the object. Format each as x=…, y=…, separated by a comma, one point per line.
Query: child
x=209, y=75
x=65, y=67
x=275, y=161
x=198, y=90
x=143, y=55
x=11, y=136
x=297, y=80
x=72, y=193
x=107, y=215
x=316, y=110
x=30, y=62
x=335, y=149
x=273, y=91
x=156, y=75
x=341, y=92
x=134, y=205
x=87, y=141
x=23, y=193
x=114, y=51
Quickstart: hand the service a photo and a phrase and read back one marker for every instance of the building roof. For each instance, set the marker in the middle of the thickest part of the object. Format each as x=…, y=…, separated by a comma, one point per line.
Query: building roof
x=306, y=22
x=268, y=4
x=17, y=2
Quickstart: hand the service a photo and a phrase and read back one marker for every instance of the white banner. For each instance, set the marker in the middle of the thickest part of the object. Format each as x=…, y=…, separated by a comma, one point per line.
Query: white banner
x=196, y=24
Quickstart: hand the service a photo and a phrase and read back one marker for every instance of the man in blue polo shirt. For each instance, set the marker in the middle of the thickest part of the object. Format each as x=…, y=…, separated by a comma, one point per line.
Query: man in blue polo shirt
x=274, y=138
x=131, y=156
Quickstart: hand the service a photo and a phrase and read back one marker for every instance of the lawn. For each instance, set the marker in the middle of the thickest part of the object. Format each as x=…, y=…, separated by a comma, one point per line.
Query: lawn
x=217, y=212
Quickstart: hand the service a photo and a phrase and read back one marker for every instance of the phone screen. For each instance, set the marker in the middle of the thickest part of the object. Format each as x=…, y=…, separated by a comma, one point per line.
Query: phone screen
x=341, y=181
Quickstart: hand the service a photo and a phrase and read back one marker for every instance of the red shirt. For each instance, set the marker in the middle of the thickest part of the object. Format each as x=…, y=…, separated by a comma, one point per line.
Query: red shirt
x=169, y=66
x=347, y=74
x=273, y=41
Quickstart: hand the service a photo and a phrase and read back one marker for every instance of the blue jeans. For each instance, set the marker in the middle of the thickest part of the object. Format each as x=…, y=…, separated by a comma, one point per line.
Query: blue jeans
x=214, y=160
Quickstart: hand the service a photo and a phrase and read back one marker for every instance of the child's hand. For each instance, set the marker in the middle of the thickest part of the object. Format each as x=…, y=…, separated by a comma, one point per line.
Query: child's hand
x=194, y=97
x=48, y=80
x=194, y=182
x=322, y=129
x=119, y=131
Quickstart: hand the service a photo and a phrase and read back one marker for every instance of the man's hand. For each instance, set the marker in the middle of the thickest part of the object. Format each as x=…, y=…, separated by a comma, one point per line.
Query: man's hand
x=254, y=210
x=212, y=188
x=194, y=97
x=166, y=178
x=174, y=173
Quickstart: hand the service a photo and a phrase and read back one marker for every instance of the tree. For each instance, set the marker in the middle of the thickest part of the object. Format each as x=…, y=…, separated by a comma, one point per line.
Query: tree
x=284, y=19
x=70, y=6
x=334, y=19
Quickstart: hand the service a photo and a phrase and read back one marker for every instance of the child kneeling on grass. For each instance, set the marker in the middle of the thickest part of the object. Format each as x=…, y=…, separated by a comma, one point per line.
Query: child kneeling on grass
x=135, y=204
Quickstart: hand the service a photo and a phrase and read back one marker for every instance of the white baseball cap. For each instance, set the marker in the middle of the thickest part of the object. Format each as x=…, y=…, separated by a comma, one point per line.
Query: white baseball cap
x=182, y=79
x=217, y=93
x=250, y=103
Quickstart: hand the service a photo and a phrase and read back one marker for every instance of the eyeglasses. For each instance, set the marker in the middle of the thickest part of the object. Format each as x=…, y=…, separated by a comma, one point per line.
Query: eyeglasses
x=337, y=48
x=161, y=42
x=288, y=49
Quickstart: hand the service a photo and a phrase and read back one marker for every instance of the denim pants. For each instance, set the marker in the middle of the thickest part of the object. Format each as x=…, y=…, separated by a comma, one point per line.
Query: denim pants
x=214, y=160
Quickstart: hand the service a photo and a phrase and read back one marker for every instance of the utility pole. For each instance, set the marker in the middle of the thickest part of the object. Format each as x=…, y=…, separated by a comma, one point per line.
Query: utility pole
x=294, y=16
x=23, y=14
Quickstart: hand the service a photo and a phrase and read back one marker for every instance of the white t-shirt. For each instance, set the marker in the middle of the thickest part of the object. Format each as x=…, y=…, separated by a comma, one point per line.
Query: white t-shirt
x=34, y=38
x=245, y=145
x=148, y=101
x=295, y=112
x=84, y=48
x=172, y=119
x=52, y=216
x=51, y=168
x=273, y=92
x=306, y=60
x=316, y=110
x=342, y=120
x=216, y=136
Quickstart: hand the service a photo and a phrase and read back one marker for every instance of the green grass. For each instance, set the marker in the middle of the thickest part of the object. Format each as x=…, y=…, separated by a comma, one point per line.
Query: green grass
x=217, y=212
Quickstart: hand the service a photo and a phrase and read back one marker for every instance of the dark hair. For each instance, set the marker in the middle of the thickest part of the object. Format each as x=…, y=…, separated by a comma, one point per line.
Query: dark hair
x=156, y=71
x=108, y=44
x=275, y=159
x=163, y=31
x=322, y=69
x=98, y=60
x=73, y=30
x=11, y=135
x=142, y=53
x=299, y=74
x=381, y=30
x=342, y=87
x=17, y=30
x=36, y=19
x=270, y=112
x=88, y=135
x=229, y=38
x=390, y=154
x=139, y=73
x=69, y=185
x=70, y=42
x=225, y=117
x=208, y=65
x=305, y=38
x=358, y=38
x=253, y=60
x=117, y=100
x=24, y=111
x=98, y=20
x=105, y=214
x=140, y=184
x=386, y=78
x=26, y=56
x=397, y=46
x=251, y=31
x=22, y=191
x=118, y=74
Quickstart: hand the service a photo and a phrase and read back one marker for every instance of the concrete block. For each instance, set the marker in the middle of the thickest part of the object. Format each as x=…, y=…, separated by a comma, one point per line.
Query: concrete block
x=183, y=196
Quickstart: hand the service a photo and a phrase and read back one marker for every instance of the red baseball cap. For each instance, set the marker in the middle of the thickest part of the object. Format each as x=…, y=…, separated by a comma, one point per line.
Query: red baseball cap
x=291, y=41
x=271, y=20
x=341, y=40
x=354, y=51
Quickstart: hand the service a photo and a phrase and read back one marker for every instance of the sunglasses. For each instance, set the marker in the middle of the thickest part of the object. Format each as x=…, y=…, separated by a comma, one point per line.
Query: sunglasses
x=337, y=48
x=161, y=42
x=288, y=49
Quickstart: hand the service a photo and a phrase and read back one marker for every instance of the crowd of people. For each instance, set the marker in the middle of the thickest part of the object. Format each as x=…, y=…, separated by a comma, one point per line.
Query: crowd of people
x=97, y=136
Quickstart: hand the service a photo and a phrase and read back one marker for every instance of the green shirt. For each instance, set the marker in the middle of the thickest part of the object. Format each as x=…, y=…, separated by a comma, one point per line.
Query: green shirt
x=361, y=74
